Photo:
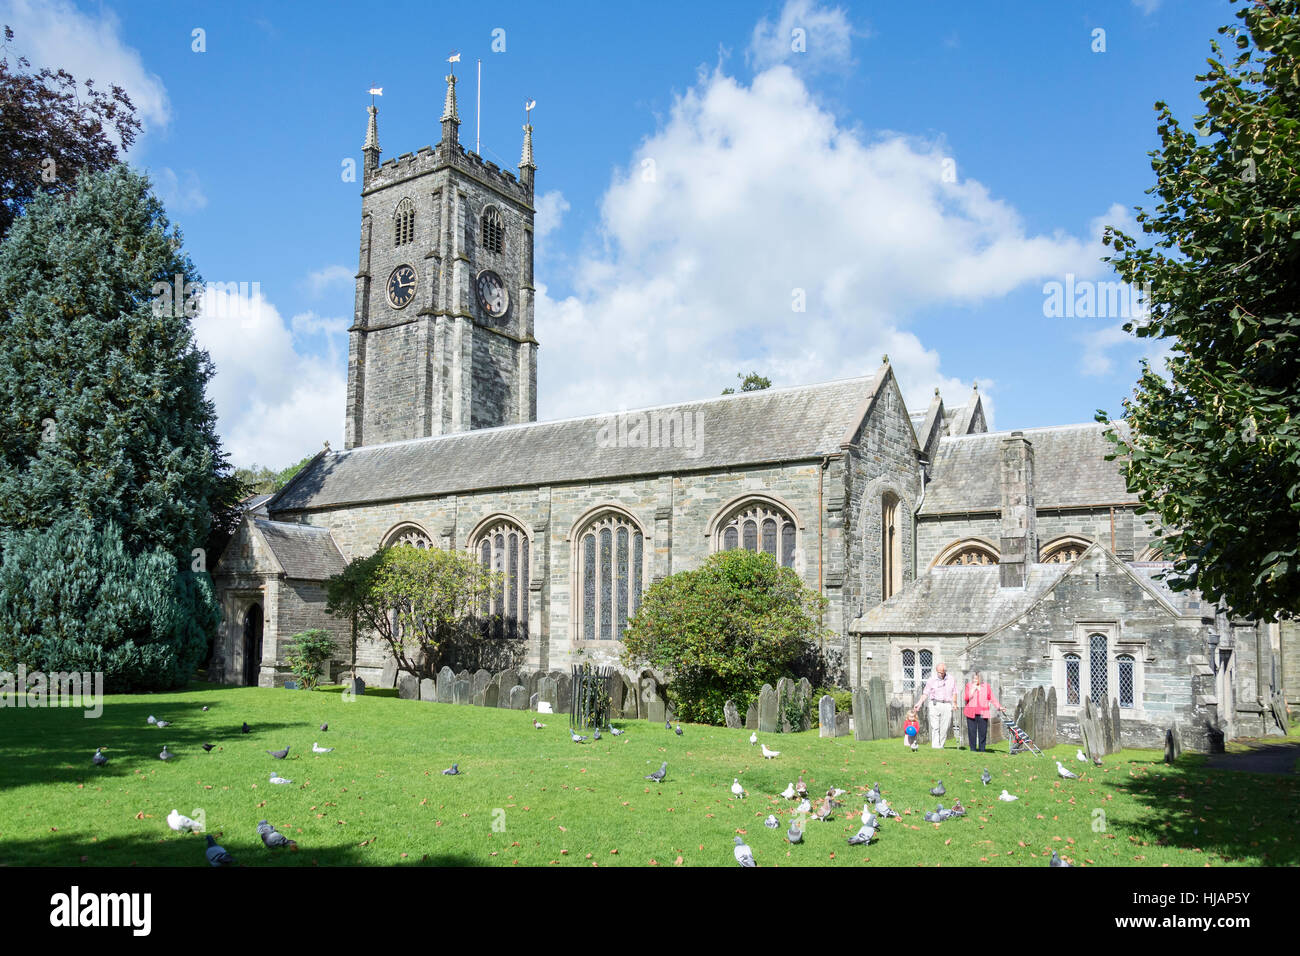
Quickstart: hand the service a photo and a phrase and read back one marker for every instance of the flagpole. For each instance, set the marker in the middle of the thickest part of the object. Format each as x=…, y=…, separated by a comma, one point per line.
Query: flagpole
x=478, y=107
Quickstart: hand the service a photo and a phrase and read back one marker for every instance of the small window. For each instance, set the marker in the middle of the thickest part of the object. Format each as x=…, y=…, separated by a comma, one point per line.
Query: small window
x=404, y=223
x=927, y=664
x=493, y=230
x=1072, y=678
x=909, y=673
x=1097, y=661
x=1125, y=665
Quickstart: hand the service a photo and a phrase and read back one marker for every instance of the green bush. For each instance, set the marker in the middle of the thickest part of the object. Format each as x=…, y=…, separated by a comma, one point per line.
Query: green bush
x=307, y=658
x=720, y=632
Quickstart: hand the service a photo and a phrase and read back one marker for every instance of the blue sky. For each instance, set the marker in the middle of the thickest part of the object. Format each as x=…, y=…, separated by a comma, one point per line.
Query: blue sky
x=777, y=171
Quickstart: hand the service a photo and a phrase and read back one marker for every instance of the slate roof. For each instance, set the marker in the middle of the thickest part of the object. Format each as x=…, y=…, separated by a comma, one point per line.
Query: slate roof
x=965, y=599
x=785, y=424
x=1070, y=470
x=304, y=552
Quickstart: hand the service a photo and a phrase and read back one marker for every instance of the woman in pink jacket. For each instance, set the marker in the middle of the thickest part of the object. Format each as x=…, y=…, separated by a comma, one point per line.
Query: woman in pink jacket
x=980, y=703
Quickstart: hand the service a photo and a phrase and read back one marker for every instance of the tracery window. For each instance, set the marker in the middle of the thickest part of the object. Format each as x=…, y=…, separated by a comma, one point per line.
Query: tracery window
x=492, y=228
x=760, y=526
x=610, y=558
x=502, y=547
x=1063, y=551
x=408, y=534
x=404, y=223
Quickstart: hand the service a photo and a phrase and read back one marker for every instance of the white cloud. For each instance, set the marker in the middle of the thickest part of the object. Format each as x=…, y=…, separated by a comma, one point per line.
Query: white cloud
x=551, y=207
x=331, y=277
x=748, y=197
x=309, y=323
x=1148, y=7
x=89, y=46
x=177, y=194
x=275, y=402
x=1099, y=344
x=805, y=35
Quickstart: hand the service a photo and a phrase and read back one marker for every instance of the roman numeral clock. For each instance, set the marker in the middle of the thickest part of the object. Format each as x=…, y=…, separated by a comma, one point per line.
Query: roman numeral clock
x=401, y=287
x=492, y=294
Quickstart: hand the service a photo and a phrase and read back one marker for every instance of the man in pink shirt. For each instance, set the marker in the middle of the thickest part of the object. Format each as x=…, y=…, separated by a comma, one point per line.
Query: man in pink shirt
x=941, y=691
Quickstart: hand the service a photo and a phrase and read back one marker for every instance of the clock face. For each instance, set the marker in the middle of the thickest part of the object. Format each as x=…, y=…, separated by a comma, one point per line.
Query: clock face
x=492, y=293
x=401, y=286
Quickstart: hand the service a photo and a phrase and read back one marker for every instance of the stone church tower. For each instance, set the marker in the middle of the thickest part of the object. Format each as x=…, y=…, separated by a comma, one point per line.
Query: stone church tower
x=442, y=338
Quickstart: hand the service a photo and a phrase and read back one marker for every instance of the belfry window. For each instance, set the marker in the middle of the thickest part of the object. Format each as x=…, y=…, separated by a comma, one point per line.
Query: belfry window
x=492, y=228
x=404, y=223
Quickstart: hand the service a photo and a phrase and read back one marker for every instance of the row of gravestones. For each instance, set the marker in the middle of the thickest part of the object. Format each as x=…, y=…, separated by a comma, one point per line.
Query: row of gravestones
x=522, y=690
x=783, y=709
x=1100, y=727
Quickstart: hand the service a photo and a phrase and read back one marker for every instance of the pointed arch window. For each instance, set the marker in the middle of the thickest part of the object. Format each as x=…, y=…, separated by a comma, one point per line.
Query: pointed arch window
x=404, y=223
x=759, y=526
x=492, y=229
x=891, y=547
x=610, y=562
x=502, y=547
x=408, y=534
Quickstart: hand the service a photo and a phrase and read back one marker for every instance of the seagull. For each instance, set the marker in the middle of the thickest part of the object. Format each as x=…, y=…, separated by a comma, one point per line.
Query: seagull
x=1064, y=772
x=537, y=724
x=659, y=774
x=452, y=771
x=736, y=788
x=1056, y=860
x=616, y=732
x=276, y=778
x=208, y=748
x=804, y=806
x=1007, y=797
x=873, y=795
x=863, y=836
x=678, y=730
x=272, y=837
x=279, y=754
x=324, y=727
x=316, y=748
x=794, y=834
x=151, y=719
x=179, y=821
x=938, y=791
x=1078, y=755
x=771, y=822
x=753, y=739
x=801, y=788
x=246, y=729
x=217, y=855
x=576, y=739
x=595, y=734
x=99, y=759
x=744, y=855
x=788, y=792
x=986, y=777
x=166, y=754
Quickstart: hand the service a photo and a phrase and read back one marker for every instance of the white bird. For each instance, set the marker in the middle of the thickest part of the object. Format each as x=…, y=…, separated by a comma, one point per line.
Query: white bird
x=868, y=818
x=744, y=855
x=151, y=719
x=771, y=822
x=805, y=806
x=1078, y=755
x=180, y=822
x=316, y=748
x=736, y=788
x=1064, y=772
x=835, y=793
x=1007, y=797
x=794, y=834
x=276, y=778
x=576, y=738
x=885, y=810
x=788, y=792
x=537, y=724
x=753, y=739
x=162, y=723
x=616, y=732
x=769, y=754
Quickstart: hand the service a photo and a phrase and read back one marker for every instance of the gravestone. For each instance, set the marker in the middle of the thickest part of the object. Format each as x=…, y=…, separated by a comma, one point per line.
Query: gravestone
x=533, y=701
x=388, y=676
x=408, y=687
x=1117, y=736
x=428, y=690
x=842, y=725
x=769, y=718
x=862, y=729
x=564, y=694
x=534, y=681
x=731, y=715
x=446, y=685
x=826, y=716
x=290, y=685
x=1049, y=729
x=464, y=675
x=647, y=694
x=518, y=697
x=631, y=699
x=356, y=686
x=1091, y=730
x=615, y=695
x=751, y=716
x=1107, y=732
x=460, y=692
x=997, y=732
x=784, y=696
x=477, y=700
x=479, y=683
x=491, y=694
x=504, y=681
x=805, y=692
x=548, y=691
x=879, y=708
x=655, y=710
x=1173, y=744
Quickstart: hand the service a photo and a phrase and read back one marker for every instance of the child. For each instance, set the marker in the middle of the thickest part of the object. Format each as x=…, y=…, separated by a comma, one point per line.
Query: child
x=911, y=729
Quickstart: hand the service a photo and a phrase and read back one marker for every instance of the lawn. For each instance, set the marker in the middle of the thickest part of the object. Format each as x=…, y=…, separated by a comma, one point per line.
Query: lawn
x=534, y=798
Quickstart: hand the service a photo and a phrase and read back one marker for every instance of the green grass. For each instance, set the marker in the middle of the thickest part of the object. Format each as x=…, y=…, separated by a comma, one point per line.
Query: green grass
x=380, y=798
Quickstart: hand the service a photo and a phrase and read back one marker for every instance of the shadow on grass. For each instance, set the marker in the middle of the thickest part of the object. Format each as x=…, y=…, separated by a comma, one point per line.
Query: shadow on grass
x=1234, y=815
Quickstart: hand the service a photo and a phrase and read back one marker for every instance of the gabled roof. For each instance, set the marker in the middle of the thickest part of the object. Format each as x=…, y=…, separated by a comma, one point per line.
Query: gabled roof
x=301, y=551
x=1070, y=470
x=965, y=599
x=748, y=428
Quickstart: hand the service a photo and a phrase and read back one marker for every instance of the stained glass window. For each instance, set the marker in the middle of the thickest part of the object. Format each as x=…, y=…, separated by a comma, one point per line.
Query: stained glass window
x=760, y=527
x=610, y=571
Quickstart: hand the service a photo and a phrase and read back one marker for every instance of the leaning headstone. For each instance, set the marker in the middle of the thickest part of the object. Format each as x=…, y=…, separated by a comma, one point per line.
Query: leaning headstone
x=826, y=716
x=731, y=715
x=428, y=690
x=1116, y=740
x=518, y=697
x=446, y=685
x=491, y=694
x=862, y=714
x=879, y=706
x=805, y=694
x=769, y=717
x=534, y=681
x=460, y=692
x=408, y=687
x=647, y=694
x=751, y=716
x=1091, y=730
x=388, y=676
x=1170, y=756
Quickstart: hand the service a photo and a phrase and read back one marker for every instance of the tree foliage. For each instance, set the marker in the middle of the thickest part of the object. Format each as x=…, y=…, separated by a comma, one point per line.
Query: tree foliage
x=261, y=480
x=1213, y=449
x=724, y=630
x=53, y=132
x=307, y=656
x=753, y=382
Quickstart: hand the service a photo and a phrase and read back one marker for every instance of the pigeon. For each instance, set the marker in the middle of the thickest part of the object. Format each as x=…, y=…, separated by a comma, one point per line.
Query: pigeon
x=824, y=811
x=736, y=788
x=576, y=738
x=668, y=725
x=277, y=779
x=245, y=729
x=272, y=837
x=753, y=739
x=863, y=836
x=205, y=708
x=99, y=759
x=801, y=788
x=957, y=809
x=678, y=730
x=788, y=792
x=616, y=732
x=659, y=774
x=166, y=754
x=1096, y=761
x=1078, y=755
x=208, y=748
x=769, y=754
x=324, y=727
x=934, y=817
x=162, y=723
x=986, y=777
x=216, y=854
x=452, y=771
x=771, y=822
x=804, y=806
x=1056, y=860
x=1007, y=797
x=279, y=754
x=938, y=791
x=595, y=734
x=180, y=822
x=538, y=725
x=744, y=855
x=1064, y=772
x=316, y=748
x=885, y=810
x=873, y=795
x=151, y=719
x=868, y=818
x=794, y=834
x=835, y=793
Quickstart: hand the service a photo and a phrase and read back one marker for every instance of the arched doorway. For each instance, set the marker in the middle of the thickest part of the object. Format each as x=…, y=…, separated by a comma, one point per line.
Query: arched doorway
x=252, y=644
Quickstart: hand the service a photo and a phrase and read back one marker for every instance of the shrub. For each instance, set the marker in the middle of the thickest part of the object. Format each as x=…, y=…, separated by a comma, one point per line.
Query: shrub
x=311, y=651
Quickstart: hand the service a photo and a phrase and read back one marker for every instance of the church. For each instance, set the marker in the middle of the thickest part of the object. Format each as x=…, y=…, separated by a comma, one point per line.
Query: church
x=1020, y=554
